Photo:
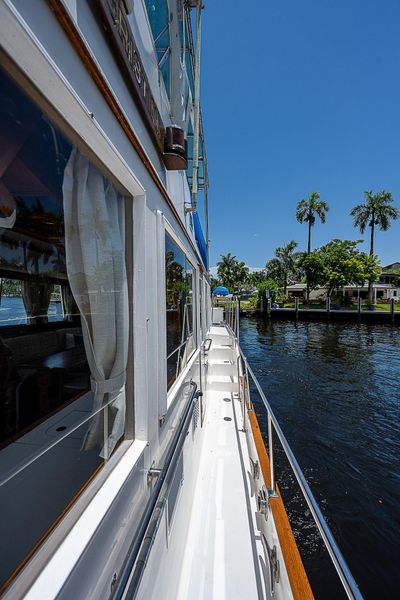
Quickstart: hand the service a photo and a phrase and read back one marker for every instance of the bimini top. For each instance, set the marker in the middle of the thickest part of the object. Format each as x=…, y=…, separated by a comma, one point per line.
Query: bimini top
x=220, y=291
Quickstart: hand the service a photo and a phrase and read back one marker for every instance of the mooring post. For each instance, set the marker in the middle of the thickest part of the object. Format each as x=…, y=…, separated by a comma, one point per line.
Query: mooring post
x=359, y=308
x=296, y=307
x=328, y=305
x=263, y=303
x=268, y=307
x=392, y=308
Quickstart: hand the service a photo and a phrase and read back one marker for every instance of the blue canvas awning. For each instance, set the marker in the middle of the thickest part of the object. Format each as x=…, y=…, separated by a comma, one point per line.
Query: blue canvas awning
x=201, y=242
x=220, y=291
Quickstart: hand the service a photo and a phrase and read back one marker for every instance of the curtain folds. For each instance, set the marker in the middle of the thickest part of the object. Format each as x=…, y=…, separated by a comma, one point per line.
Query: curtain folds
x=95, y=258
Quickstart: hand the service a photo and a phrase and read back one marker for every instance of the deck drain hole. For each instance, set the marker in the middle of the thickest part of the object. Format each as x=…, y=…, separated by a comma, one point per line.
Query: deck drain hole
x=62, y=428
x=227, y=419
x=227, y=399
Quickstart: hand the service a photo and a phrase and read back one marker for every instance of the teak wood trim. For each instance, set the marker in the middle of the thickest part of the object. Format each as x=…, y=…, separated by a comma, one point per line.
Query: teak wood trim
x=298, y=579
x=74, y=36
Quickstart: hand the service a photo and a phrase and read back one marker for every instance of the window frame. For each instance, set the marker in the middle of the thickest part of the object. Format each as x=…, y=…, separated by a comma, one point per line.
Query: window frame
x=172, y=391
x=66, y=111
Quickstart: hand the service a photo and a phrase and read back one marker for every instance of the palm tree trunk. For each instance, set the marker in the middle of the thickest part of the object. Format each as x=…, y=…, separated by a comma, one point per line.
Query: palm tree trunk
x=309, y=237
x=308, y=253
x=371, y=252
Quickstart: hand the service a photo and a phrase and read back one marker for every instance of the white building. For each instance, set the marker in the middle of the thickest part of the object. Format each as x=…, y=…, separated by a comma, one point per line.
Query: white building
x=381, y=291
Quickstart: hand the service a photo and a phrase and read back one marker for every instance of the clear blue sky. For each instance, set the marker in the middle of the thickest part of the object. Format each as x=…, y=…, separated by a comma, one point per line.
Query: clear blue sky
x=298, y=96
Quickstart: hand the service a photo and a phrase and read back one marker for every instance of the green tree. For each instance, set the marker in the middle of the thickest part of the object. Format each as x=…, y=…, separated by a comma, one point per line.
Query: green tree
x=257, y=277
x=241, y=276
x=214, y=282
x=282, y=267
x=377, y=210
x=306, y=211
x=232, y=273
x=339, y=263
x=268, y=285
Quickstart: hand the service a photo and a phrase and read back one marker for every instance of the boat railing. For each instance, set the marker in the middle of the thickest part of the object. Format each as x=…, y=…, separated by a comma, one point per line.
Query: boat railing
x=128, y=583
x=342, y=569
x=231, y=308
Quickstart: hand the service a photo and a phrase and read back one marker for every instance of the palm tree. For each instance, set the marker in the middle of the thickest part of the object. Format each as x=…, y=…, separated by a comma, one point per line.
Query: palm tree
x=226, y=270
x=241, y=275
x=376, y=210
x=232, y=273
x=305, y=213
x=284, y=264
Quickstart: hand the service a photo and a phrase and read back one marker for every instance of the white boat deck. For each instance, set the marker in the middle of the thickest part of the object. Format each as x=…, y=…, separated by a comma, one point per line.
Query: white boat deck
x=221, y=555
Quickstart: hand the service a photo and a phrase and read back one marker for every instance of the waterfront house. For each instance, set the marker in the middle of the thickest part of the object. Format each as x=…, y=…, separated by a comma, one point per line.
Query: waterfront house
x=392, y=267
x=382, y=291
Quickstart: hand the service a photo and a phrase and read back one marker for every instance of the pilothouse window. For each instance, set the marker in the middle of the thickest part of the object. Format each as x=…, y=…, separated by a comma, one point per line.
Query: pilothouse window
x=180, y=313
x=63, y=323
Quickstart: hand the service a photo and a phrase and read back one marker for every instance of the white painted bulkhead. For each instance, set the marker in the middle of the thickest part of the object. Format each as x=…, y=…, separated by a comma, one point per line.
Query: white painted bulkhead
x=42, y=59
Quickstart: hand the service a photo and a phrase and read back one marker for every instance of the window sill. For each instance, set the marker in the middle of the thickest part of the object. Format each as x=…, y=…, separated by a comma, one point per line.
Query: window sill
x=68, y=553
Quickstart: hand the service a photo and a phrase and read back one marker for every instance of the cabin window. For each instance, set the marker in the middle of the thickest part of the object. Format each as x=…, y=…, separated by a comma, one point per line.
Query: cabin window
x=179, y=274
x=63, y=323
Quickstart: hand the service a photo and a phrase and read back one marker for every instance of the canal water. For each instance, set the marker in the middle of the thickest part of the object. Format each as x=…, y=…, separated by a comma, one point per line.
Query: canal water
x=335, y=389
x=12, y=311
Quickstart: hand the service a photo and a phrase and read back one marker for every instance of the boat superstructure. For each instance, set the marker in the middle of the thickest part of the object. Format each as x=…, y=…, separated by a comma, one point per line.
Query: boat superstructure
x=131, y=461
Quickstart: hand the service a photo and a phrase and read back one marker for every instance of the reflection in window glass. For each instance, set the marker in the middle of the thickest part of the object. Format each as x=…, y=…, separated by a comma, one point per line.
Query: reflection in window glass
x=180, y=313
x=158, y=14
x=63, y=323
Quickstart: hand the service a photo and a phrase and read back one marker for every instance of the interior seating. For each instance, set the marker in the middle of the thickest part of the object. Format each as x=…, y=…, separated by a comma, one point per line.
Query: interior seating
x=28, y=394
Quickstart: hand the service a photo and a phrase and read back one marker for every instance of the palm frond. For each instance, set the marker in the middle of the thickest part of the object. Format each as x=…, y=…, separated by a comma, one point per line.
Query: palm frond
x=302, y=210
x=361, y=216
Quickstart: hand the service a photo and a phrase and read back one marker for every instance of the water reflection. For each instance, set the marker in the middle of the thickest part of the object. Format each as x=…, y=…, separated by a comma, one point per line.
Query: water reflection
x=335, y=390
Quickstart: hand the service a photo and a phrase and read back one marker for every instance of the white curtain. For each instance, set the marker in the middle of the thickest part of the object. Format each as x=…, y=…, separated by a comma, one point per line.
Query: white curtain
x=95, y=256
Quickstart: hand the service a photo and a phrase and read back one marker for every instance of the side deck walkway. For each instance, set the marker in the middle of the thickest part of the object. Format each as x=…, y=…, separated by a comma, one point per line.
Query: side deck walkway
x=221, y=555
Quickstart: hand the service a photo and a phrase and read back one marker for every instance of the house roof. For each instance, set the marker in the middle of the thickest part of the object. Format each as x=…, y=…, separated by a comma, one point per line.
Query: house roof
x=392, y=266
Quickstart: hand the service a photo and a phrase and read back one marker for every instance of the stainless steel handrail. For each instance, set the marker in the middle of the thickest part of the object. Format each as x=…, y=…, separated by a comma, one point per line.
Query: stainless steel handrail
x=231, y=308
x=342, y=569
x=209, y=342
x=127, y=585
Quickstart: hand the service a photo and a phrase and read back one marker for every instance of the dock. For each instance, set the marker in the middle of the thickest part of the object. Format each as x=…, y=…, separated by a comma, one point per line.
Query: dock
x=321, y=314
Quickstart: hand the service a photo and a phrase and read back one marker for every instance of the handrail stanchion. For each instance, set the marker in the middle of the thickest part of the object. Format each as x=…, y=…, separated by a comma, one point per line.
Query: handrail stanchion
x=272, y=490
x=343, y=571
x=246, y=395
x=237, y=319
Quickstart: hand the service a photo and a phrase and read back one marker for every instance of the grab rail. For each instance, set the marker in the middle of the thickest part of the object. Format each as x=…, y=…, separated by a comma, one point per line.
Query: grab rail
x=342, y=569
x=207, y=341
x=131, y=576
